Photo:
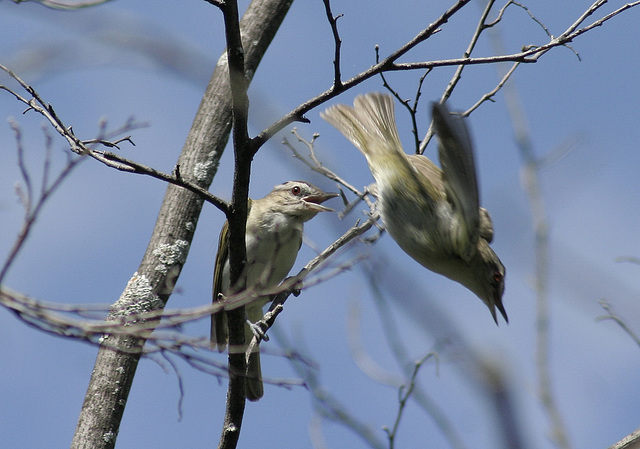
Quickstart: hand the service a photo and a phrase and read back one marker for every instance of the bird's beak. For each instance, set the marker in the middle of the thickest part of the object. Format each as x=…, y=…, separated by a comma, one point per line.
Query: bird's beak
x=314, y=201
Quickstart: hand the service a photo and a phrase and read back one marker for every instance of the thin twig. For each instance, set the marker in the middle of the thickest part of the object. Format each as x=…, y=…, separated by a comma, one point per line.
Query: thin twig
x=404, y=393
x=480, y=27
x=63, y=5
x=453, y=82
x=176, y=371
x=489, y=95
x=411, y=108
x=326, y=405
x=618, y=320
x=531, y=185
x=399, y=351
x=333, y=21
x=32, y=206
x=112, y=160
x=293, y=284
x=120, y=163
x=315, y=164
x=529, y=54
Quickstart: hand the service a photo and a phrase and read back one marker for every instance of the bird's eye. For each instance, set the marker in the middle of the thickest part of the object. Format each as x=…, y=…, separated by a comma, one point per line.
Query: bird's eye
x=497, y=277
x=295, y=190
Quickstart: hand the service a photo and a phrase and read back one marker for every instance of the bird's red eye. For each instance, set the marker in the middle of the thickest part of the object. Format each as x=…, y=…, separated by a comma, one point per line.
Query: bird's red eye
x=295, y=190
x=497, y=277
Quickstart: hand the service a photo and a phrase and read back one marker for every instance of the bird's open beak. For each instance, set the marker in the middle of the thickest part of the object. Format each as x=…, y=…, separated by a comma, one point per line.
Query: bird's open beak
x=314, y=201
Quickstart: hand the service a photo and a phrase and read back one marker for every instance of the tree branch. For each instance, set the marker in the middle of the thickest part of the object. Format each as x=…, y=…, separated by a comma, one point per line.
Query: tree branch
x=236, y=395
x=333, y=21
x=114, y=370
x=110, y=159
x=529, y=54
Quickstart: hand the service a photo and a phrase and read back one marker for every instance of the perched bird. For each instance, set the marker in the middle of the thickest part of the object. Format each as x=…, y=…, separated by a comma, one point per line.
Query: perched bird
x=433, y=214
x=273, y=238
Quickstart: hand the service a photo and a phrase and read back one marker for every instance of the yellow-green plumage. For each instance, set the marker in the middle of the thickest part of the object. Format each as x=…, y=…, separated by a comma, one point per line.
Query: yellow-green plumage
x=273, y=237
x=432, y=213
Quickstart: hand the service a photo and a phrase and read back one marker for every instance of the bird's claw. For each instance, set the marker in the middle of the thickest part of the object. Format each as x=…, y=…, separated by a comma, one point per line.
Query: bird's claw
x=257, y=330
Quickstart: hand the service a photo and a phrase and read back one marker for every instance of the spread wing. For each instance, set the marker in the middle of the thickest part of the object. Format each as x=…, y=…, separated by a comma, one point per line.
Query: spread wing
x=459, y=178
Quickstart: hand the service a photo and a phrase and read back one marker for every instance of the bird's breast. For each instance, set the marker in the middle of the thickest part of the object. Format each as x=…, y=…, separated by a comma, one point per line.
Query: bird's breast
x=271, y=251
x=422, y=228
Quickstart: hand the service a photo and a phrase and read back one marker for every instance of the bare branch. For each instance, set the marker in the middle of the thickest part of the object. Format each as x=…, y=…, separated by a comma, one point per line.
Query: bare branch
x=118, y=162
x=387, y=64
x=333, y=21
x=529, y=54
x=398, y=349
x=404, y=393
x=531, y=186
x=33, y=205
x=618, y=320
x=25, y=197
x=467, y=53
x=63, y=5
x=112, y=160
x=412, y=109
x=631, y=441
x=237, y=219
x=160, y=328
x=294, y=284
x=600, y=21
x=489, y=95
x=37, y=104
x=328, y=406
x=218, y=3
x=315, y=164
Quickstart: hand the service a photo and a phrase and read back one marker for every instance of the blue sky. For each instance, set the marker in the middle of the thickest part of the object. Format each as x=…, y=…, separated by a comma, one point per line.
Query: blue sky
x=93, y=233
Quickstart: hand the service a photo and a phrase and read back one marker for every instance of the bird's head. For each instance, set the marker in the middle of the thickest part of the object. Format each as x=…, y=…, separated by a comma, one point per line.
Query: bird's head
x=488, y=279
x=299, y=199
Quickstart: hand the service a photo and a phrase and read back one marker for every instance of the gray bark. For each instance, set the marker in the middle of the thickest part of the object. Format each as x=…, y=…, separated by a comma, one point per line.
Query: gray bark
x=150, y=288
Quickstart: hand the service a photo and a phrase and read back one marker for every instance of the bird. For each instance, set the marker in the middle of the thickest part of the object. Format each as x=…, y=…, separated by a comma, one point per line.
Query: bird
x=432, y=213
x=273, y=238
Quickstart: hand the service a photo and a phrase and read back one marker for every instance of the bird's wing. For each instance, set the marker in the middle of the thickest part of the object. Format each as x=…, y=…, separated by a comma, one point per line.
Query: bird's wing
x=431, y=172
x=219, y=328
x=486, y=225
x=459, y=177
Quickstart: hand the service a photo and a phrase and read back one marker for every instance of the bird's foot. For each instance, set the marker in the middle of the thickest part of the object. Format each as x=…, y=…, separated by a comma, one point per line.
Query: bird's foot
x=259, y=329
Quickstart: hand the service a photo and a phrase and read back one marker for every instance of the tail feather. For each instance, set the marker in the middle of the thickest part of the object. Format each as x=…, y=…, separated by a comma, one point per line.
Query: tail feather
x=254, y=387
x=370, y=124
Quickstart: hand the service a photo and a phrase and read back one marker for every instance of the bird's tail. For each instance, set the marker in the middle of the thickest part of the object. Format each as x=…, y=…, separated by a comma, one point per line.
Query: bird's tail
x=254, y=387
x=370, y=125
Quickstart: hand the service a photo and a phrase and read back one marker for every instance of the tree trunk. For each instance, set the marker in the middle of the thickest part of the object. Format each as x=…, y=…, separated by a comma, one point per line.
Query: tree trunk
x=149, y=289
